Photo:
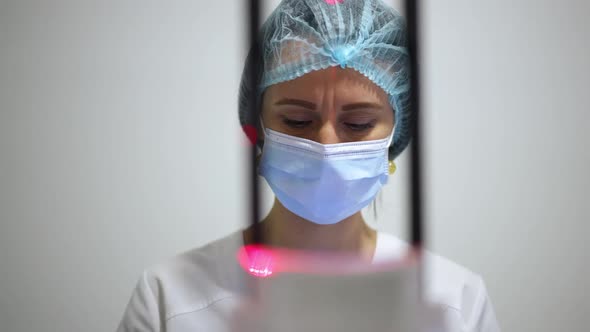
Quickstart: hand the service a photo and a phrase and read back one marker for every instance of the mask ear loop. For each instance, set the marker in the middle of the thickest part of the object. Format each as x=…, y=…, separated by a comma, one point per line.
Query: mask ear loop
x=395, y=123
x=260, y=149
x=390, y=138
x=392, y=167
x=262, y=124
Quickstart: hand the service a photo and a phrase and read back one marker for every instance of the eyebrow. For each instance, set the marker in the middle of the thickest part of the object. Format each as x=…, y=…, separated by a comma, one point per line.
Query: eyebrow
x=296, y=102
x=312, y=106
x=355, y=106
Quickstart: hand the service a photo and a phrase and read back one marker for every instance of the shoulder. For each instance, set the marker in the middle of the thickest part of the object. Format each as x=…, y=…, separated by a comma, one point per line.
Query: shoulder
x=460, y=291
x=186, y=283
x=450, y=283
x=196, y=278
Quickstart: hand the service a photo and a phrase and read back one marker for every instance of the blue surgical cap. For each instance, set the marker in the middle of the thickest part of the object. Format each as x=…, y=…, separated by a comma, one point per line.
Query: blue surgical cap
x=301, y=36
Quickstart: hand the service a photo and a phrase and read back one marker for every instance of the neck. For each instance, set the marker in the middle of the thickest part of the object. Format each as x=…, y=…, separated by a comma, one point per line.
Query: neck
x=285, y=229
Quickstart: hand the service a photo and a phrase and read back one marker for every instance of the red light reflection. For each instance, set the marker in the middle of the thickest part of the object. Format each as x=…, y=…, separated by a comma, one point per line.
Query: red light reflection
x=264, y=261
x=256, y=260
x=251, y=133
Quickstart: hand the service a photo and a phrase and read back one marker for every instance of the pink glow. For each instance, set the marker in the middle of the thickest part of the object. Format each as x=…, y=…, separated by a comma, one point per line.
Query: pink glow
x=264, y=261
x=251, y=133
x=333, y=2
x=256, y=260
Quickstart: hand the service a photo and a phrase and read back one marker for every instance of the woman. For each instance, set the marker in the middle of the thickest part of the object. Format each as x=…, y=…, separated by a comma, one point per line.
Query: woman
x=333, y=111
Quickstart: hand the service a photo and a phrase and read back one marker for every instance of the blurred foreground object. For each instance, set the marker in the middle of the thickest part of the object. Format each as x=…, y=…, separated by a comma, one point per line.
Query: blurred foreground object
x=336, y=294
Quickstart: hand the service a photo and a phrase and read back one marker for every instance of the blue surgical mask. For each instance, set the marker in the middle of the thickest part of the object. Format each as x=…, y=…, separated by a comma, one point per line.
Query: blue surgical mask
x=324, y=183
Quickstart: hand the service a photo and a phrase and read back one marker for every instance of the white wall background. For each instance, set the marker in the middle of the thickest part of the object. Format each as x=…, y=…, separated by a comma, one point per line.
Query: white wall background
x=120, y=146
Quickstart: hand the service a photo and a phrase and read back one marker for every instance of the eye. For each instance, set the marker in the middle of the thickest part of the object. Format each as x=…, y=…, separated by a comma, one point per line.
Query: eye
x=296, y=123
x=360, y=126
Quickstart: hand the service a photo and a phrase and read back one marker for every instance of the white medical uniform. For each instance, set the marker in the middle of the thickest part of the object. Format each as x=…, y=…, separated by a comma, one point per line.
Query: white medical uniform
x=199, y=290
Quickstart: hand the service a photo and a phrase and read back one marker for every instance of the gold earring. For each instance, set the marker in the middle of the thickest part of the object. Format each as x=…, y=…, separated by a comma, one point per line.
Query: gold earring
x=392, y=167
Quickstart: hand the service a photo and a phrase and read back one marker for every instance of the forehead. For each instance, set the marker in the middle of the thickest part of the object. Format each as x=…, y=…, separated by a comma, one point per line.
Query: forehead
x=343, y=82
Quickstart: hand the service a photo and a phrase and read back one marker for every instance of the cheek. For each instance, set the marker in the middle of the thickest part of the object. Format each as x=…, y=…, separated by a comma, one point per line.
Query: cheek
x=270, y=120
x=269, y=117
x=385, y=125
x=265, y=115
x=388, y=118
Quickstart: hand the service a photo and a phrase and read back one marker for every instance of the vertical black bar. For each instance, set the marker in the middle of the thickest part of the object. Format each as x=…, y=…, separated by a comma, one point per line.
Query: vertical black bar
x=416, y=232
x=253, y=22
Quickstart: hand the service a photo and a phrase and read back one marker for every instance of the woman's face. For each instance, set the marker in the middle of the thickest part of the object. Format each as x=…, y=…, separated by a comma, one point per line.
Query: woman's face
x=329, y=106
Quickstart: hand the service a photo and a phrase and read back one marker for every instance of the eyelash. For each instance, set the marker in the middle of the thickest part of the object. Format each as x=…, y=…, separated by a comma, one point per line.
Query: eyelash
x=353, y=126
x=296, y=123
x=360, y=126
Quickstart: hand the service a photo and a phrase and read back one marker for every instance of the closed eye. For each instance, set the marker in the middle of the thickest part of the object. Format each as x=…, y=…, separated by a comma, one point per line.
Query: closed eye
x=296, y=123
x=360, y=126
